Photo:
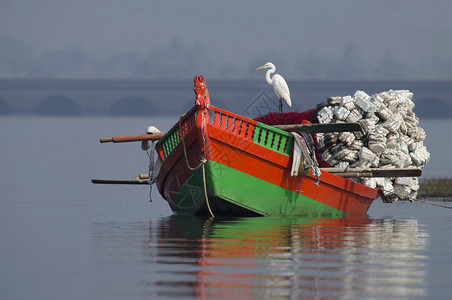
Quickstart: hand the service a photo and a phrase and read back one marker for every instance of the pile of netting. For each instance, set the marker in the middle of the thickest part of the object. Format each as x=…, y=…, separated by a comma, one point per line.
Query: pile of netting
x=391, y=137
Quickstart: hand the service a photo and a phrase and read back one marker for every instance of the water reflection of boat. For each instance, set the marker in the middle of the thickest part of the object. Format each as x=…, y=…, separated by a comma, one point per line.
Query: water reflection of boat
x=286, y=257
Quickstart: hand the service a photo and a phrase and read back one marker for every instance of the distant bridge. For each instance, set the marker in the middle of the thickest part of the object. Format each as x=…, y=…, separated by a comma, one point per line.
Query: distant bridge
x=103, y=97
x=169, y=97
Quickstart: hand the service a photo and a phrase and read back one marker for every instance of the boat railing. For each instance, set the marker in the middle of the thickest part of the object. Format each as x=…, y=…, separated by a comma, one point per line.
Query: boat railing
x=232, y=123
x=259, y=133
x=170, y=141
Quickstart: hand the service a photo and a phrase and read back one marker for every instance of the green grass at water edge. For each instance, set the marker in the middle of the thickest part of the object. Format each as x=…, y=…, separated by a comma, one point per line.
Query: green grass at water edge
x=436, y=188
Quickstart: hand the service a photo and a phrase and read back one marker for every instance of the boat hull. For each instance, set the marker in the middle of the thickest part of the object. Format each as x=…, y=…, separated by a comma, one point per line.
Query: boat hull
x=243, y=167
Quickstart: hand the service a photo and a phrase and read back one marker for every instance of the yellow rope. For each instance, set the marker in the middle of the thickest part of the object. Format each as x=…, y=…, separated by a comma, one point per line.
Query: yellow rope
x=205, y=189
x=185, y=148
x=414, y=199
x=202, y=163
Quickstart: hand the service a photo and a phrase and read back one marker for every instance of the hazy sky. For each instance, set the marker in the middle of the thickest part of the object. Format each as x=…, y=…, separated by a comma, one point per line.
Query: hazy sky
x=409, y=39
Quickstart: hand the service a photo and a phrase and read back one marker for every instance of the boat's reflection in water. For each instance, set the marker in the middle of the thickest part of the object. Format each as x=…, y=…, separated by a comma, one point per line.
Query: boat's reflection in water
x=354, y=257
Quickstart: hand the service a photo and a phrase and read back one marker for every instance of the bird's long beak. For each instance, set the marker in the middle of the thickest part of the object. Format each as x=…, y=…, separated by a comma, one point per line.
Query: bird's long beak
x=261, y=67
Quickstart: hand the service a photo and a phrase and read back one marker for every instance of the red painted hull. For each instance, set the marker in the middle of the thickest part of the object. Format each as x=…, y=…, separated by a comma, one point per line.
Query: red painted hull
x=248, y=148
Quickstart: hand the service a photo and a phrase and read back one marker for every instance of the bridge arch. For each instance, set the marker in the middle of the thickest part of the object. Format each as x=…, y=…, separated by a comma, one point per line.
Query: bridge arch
x=5, y=109
x=57, y=105
x=133, y=106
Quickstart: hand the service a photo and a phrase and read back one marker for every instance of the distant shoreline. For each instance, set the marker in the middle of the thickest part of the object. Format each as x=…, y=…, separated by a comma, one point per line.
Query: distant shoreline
x=438, y=188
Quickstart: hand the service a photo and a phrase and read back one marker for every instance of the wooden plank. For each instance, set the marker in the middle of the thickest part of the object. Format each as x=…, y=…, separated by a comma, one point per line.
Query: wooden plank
x=322, y=128
x=133, y=138
x=354, y=174
x=374, y=172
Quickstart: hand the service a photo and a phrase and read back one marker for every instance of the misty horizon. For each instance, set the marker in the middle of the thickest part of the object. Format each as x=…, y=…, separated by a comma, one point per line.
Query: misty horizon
x=328, y=40
x=176, y=60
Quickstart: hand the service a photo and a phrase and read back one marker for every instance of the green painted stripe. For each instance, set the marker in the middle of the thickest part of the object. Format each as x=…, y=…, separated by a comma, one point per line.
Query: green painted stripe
x=191, y=194
x=169, y=141
x=272, y=138
x=249, y=192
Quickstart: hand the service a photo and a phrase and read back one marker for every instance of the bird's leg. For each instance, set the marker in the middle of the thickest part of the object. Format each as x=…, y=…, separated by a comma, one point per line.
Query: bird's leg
x=280, y=107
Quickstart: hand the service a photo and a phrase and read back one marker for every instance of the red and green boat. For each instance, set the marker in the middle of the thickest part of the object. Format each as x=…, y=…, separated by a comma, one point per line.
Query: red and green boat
x=215, y=162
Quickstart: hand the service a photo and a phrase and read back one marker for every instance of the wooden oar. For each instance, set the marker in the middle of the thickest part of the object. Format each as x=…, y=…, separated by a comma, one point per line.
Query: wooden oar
x=308, y=128
x=322, y=128
x=140, y=179
x=374, y=172
x=133, y=138
x=120, y=181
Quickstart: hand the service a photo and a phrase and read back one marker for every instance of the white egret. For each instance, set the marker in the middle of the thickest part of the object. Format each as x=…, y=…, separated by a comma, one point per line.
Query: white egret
x=279, y=85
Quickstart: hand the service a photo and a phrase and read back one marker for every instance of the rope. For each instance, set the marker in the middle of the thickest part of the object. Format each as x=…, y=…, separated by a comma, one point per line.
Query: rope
x=202, y=163
x=151, y=169
x=145, y=146
x=205, y=190
x=412, y=199
x=185, y=148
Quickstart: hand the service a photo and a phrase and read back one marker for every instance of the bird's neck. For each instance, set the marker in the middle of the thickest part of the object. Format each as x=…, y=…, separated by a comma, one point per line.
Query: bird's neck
x=267, y=76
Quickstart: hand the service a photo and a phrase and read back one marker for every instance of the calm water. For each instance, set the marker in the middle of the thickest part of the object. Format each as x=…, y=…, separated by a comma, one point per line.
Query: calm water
x=65, y=238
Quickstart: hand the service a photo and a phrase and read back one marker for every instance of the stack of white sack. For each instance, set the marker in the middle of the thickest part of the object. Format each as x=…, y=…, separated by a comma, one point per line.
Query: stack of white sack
x=393, y=139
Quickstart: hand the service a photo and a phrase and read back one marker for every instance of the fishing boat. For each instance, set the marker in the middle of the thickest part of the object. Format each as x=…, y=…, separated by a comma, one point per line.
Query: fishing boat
x=218, y=162
x=215, y=162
